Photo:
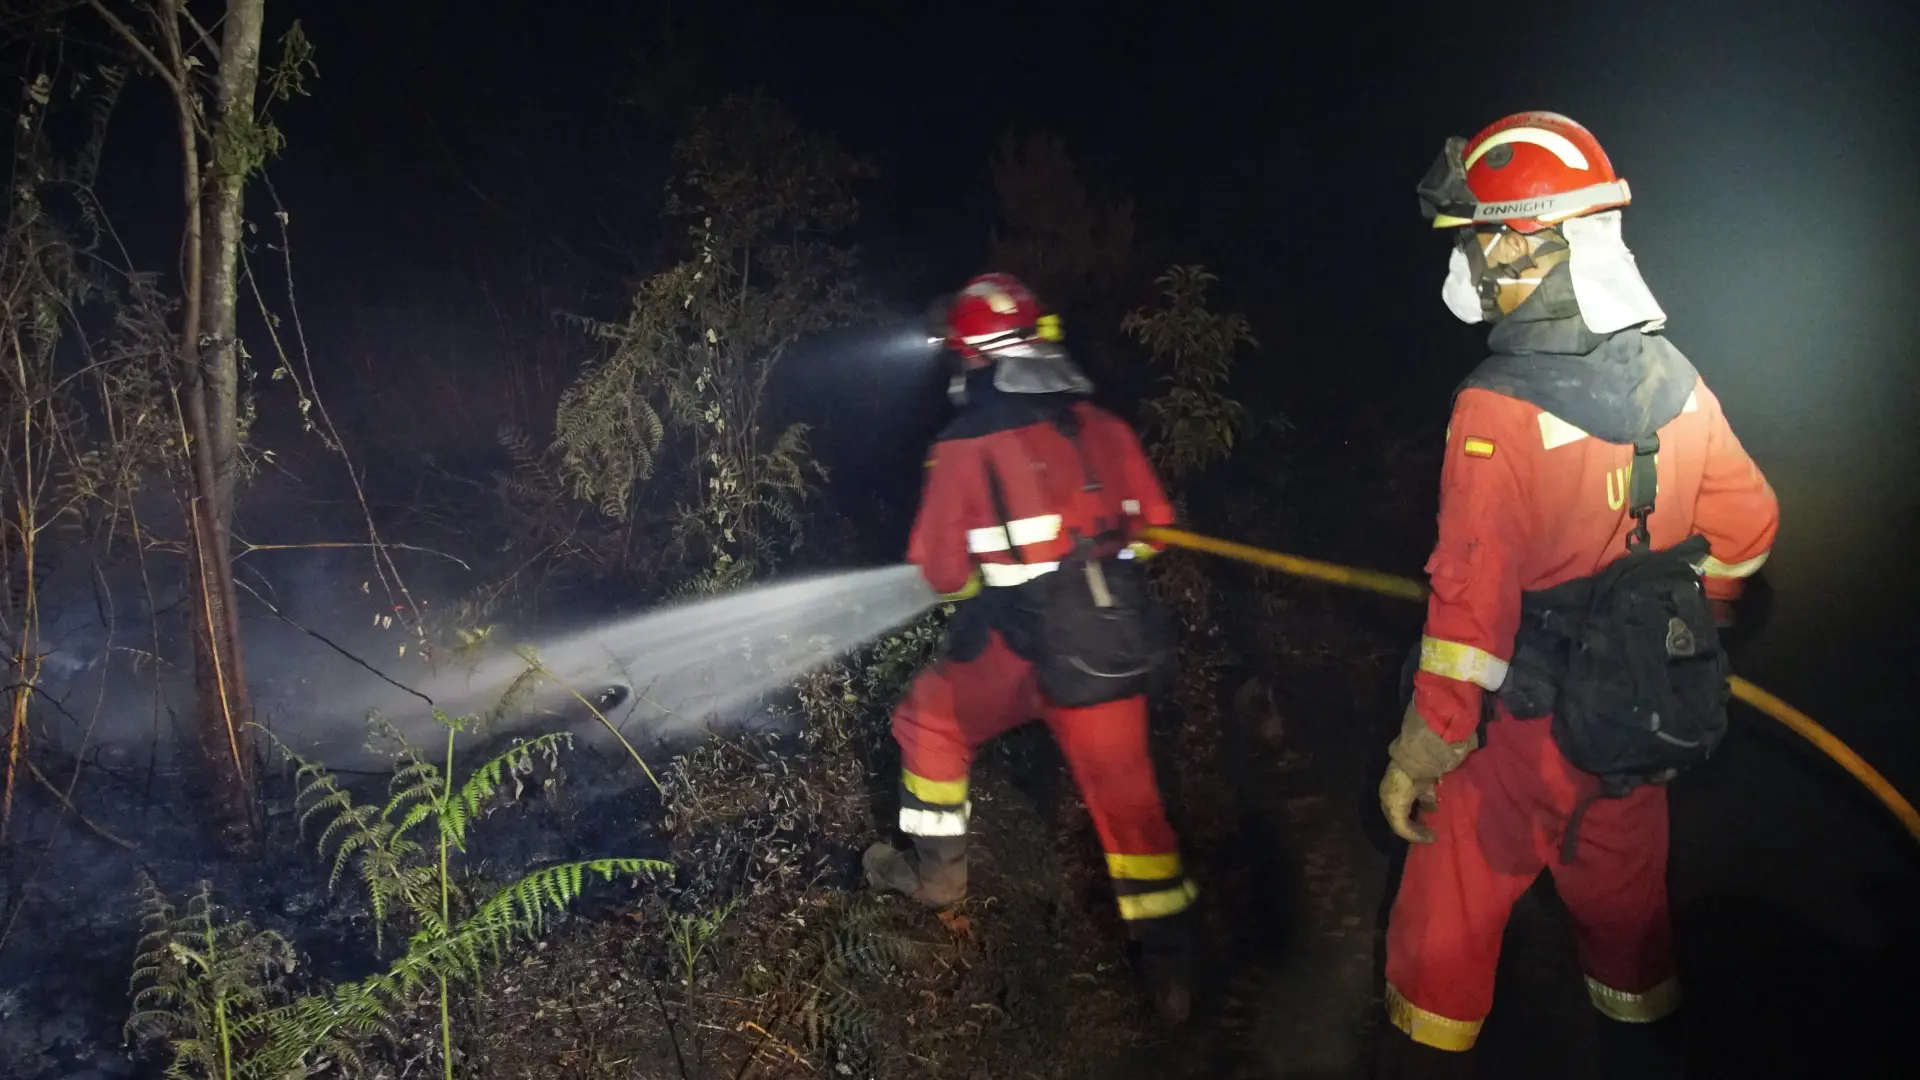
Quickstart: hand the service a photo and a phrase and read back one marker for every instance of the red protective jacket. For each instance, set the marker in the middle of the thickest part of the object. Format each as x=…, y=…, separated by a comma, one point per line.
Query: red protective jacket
x=1049, y=491
x=1528, y=501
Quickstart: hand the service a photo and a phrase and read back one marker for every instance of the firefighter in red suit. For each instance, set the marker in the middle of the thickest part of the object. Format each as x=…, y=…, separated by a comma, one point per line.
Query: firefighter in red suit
x=1534, y=493
x=1028, y=474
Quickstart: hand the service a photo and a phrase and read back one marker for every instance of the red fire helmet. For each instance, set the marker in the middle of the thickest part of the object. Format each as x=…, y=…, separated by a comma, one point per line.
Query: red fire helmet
x=1527, y=172
x=993, y=312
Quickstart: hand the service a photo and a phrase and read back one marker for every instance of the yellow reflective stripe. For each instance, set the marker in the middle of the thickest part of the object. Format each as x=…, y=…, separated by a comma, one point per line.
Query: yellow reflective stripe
x=1448, y=221
x=1032, y=530
x=1656, y=1004
x=1430, y=1029
x=1143, y=867
x=918, y=822
x=1713, y=567
x=1002, y=575
x=939, y=792
x=1453, y=660
x=1157, y=905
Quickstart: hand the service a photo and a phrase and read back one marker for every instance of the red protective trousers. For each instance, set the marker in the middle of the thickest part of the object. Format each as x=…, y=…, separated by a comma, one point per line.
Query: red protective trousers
x=954, y=706
x=1529, y=501
x=1501, y=819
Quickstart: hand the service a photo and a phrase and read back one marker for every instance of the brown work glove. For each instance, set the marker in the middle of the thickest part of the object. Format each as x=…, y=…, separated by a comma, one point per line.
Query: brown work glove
x=1417, y=759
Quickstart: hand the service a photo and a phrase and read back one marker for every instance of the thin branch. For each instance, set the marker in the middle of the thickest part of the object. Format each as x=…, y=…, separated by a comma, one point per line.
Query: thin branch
x=329, y=643
x=146, y=54
x=673, y=1030
x=383, y=565
x=61, y=797
x=534, y=665
x=250, y=548
x=206, y=39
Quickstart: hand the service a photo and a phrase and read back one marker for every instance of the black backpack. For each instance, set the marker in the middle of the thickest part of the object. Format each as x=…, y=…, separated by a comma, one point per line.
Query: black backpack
x=1103, y=637
x=1628, y=660
x=1091, y=628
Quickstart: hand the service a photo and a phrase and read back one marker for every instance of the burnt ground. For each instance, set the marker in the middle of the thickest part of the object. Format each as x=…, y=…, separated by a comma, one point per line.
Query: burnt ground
x=798, y=972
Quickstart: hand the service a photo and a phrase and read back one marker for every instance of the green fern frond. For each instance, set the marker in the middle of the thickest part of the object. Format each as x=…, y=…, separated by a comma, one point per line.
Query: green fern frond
x=522, y=686
x=413, y=774
x=827, y=1015
x=863, y=938
x=484, y=782
x=420, y=811
x=202, y=982
x=427, y=790
x=524, y=906
x=331, y=798
x=358, y=837
x=357, y=821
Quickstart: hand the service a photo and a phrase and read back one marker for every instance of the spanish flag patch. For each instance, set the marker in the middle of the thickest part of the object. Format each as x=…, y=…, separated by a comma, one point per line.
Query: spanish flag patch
x=1474, y=446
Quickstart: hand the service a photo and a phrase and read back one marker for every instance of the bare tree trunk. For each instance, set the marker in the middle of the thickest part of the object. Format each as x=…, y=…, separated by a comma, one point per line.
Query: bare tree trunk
x=212, y=380
x=225, y=711
x=218, y=151
x=234, y=126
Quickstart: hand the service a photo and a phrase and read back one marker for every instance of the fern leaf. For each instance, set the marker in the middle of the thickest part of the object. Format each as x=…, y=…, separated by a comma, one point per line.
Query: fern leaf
x=485, y=781
x=420, y=812
x=412, y=772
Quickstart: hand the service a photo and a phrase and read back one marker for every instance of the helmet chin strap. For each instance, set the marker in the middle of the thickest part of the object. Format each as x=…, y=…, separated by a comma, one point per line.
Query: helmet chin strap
x=1490, y=278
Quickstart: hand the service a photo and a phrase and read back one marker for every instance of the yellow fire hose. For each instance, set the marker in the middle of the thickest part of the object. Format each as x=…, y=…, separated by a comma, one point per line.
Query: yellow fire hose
x=1408, y=589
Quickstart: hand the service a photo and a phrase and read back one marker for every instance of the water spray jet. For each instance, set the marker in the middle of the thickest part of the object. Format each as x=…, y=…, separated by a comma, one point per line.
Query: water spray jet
x=672, y=671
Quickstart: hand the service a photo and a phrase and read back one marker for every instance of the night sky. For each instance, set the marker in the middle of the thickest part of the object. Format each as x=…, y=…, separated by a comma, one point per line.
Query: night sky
x=1770, y=146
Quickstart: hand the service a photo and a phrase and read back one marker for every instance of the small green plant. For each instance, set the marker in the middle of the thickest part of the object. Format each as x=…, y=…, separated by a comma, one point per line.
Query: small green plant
x=205, y=985
x=404, y=851
x=691, y=935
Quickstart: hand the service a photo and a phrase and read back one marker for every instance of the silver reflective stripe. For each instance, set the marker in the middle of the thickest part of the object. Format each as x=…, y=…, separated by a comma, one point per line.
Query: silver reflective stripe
x=1713, y=567
x=1001, y=576
x=1548, y=207
x=1130, y=506
x=919, y=822
x=1033, y=530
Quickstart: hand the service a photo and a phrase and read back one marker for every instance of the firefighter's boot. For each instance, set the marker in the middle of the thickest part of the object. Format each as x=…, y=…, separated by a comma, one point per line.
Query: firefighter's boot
x=1650, y=1051
x=933, y=871
x=1166, y=964
x=1398, y=1057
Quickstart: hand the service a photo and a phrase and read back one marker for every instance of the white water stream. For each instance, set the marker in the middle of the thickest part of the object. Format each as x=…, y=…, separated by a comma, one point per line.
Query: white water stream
x=667, y=671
